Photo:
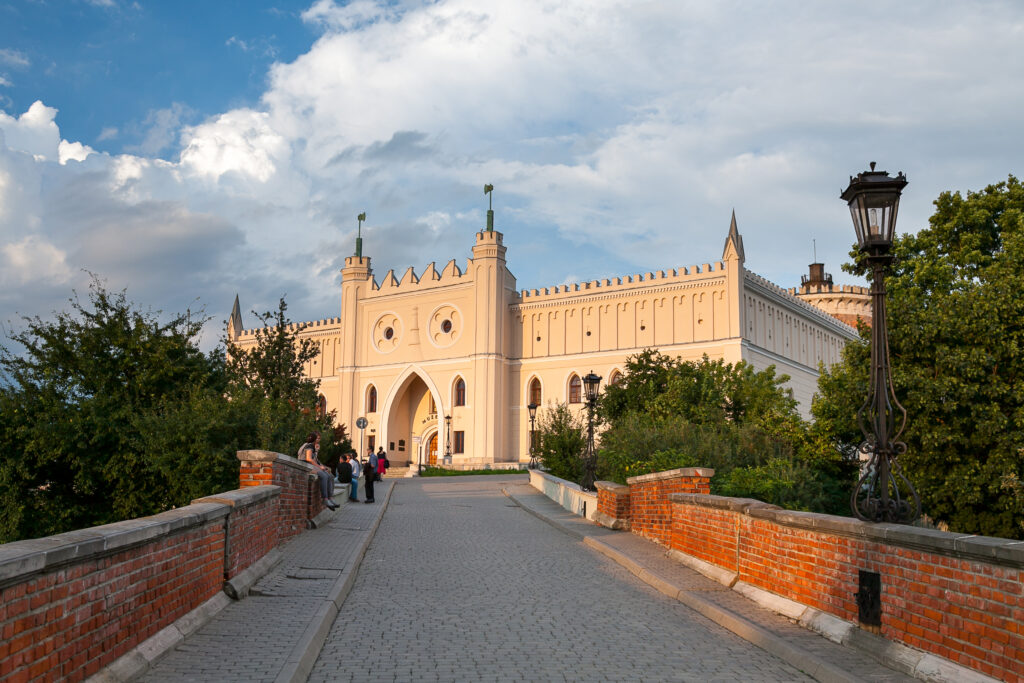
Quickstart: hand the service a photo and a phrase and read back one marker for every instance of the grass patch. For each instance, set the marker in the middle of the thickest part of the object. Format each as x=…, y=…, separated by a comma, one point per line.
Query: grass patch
x=443, y=472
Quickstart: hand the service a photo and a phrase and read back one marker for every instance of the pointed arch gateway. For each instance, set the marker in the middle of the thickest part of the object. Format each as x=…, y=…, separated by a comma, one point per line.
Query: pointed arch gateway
x=407, y=420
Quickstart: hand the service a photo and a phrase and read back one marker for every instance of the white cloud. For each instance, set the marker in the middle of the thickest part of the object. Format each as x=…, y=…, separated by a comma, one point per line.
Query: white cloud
x=14, y=58
x=72, y=151
x=33, y=132
x=4, y=82
x=108, y=133
x=32, y=260
x=619, y=137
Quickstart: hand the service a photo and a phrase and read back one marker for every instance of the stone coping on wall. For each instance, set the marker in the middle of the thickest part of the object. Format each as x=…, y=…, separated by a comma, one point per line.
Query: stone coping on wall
x=271, y=456
x=242, y=497
x=611, y=486
x=672, y=474
x=21, y=559
x=1004, y=551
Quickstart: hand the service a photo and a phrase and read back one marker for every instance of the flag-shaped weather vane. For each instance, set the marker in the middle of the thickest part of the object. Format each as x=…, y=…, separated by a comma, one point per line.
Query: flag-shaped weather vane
x=489, y=191
x=359, y=234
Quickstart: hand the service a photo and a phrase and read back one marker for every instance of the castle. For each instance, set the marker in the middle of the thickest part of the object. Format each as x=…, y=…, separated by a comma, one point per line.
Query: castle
x=448, y=360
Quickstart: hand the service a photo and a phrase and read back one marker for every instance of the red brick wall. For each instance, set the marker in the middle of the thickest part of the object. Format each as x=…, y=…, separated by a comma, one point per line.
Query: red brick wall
x=70, y=623
x=650, y=512
x=956, y=596
x=252, y=528
x=300, y=490
x=613, y=502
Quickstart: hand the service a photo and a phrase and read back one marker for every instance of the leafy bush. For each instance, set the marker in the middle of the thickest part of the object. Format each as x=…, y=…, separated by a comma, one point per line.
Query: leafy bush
x=561, y=441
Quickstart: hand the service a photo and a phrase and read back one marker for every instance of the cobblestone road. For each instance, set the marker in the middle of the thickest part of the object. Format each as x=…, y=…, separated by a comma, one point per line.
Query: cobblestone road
x=460, y=584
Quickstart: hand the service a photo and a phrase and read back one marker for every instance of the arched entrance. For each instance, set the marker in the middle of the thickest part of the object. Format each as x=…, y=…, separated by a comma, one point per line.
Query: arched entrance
x=411, y=420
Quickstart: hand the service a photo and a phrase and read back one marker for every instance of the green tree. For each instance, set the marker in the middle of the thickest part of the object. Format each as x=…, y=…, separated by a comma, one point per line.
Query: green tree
x=956, y=335
x=71, y=404
x=667, y=413
x=560, y=441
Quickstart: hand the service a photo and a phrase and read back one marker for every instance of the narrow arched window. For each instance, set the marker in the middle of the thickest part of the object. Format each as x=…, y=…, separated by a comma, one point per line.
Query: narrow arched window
x=460, y=392
x=535, y=394
x=321, y=406
x=615, y=378
x=575, y=389
x=371, y=400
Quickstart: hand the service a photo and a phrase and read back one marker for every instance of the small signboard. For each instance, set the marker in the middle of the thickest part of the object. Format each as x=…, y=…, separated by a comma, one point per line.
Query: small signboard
x=361, y=423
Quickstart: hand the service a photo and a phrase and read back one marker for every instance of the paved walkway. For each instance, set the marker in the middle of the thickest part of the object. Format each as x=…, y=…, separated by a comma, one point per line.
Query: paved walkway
x=275, y=633
x=482, y=578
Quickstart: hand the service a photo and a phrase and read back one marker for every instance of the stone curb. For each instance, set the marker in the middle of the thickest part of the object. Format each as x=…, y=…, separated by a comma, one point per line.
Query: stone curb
x=238, y=587
x=300, y=662
x=143, y=656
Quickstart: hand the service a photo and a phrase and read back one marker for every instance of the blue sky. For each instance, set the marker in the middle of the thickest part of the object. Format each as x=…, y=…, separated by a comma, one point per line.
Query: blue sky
x=108, y=66
x=190, y=151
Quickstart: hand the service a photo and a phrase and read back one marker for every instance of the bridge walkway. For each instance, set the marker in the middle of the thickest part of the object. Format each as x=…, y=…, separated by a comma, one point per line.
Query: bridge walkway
x=461, y=583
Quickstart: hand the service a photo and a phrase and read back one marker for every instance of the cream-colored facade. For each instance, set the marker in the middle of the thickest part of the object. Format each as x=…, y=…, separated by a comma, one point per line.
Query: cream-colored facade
x=408, y=351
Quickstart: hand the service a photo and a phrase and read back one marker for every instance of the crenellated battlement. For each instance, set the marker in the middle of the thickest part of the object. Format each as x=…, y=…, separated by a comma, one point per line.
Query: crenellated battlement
x=619, y=284
x=856, y=290
x=430, y=279
x=311, y=326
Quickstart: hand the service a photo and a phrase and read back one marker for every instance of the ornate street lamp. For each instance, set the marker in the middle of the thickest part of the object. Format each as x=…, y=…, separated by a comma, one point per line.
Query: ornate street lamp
x=883, y=494
x=533, y=454
x=590, y=385
x=448, y=440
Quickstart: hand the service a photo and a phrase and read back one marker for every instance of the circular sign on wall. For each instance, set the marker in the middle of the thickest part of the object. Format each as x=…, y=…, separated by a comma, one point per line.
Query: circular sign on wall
x=361, y=423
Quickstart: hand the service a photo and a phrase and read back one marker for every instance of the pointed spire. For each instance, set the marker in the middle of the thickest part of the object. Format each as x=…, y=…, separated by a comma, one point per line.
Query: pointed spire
x=235, y=321
x=735, y=239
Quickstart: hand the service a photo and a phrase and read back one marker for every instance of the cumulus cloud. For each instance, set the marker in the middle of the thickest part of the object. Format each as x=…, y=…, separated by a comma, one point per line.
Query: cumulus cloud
x=619, y=137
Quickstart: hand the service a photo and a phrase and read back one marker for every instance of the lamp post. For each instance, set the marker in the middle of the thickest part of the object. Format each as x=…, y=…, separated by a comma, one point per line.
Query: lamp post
x=448, y=440
x=882, y=494
x=590, y=384
x=533, y=453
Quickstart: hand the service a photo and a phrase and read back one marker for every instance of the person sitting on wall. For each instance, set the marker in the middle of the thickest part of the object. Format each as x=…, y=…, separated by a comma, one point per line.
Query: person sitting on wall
x=357, y=470
x=309, y=452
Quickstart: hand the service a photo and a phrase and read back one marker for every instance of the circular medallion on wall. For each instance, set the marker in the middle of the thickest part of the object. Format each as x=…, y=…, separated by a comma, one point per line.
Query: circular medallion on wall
x=387, y=332
x=445, y=325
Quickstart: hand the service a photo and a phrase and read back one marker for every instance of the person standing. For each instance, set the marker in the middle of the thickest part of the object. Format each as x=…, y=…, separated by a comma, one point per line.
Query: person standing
x=382, y=457
x=309, y=452
x=372, y=461
x=345, y=473
x=357, y=470
x=370, y=473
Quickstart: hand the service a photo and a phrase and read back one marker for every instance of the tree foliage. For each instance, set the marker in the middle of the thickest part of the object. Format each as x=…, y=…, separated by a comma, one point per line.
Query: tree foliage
x=956, y=336
x=666, y=413
x=560, y=441
x=108, y=412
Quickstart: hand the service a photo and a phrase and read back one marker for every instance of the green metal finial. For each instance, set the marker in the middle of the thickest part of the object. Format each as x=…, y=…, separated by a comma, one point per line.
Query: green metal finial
x=359, y=235
x=489, y=190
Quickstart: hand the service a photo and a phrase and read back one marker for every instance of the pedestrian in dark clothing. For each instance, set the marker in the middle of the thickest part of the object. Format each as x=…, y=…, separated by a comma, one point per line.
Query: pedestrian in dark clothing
x=345, y=473
x=371, y=475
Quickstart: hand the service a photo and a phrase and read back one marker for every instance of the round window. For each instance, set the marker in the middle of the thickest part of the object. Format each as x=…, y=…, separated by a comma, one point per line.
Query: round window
x=446, y=326
x=389, y=333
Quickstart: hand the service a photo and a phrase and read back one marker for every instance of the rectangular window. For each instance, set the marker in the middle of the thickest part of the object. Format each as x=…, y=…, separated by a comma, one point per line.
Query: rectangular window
x=371, y=442
x=460, y=442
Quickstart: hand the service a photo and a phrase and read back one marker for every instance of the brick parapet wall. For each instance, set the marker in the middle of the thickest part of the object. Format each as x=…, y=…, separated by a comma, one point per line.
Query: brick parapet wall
x=251, y=528
x=72, y=603
x=300, y=493
x=612, y=505
x=649, y=509
x=954, y=595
